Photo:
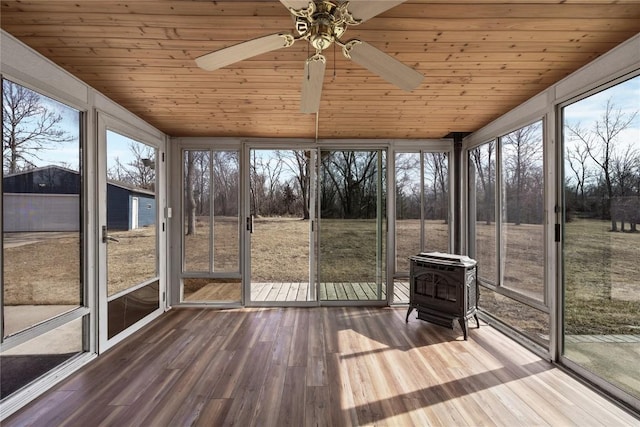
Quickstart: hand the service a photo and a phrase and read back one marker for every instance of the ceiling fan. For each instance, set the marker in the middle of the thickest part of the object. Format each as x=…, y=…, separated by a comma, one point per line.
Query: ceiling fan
x=321, y=23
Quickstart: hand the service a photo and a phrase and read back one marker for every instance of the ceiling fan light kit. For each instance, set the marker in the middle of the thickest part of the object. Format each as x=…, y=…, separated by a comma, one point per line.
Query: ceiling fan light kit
x=321, y=23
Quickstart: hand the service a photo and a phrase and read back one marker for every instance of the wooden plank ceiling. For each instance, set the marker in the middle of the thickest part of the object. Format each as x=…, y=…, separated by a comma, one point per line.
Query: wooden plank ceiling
x=479, y=59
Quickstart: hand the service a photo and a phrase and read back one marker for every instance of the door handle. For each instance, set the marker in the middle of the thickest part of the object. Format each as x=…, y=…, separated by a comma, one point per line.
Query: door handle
x=250, y=224
x=106, y=237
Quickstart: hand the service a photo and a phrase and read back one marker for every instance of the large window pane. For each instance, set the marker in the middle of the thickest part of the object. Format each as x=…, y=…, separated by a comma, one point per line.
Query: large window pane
x=436, y=202
x=42, y=199
x=197, y=211
x=601, y=244
x=408, y=213
x=421, y=179
x=226, y=241
x=522, y=231
x=211, y=213
x=211, y=221
x=482, y=179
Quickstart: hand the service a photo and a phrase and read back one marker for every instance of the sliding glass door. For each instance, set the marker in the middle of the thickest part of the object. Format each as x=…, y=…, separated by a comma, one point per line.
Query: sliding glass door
x=280, y=225
x=353, y=226
x=601, y=242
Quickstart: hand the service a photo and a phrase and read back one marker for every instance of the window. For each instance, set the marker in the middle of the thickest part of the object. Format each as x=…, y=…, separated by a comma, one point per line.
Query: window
x=422, y=178
x=211, y=235
x=522, y=230
x=506, y=209
x=482, y=181
x=42, y=271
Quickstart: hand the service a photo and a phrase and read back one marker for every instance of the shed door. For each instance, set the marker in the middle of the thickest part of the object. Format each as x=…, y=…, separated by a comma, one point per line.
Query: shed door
x=134, y=213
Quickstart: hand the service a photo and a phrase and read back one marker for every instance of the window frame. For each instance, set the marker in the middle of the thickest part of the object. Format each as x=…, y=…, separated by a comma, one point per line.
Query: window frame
x=499, y=286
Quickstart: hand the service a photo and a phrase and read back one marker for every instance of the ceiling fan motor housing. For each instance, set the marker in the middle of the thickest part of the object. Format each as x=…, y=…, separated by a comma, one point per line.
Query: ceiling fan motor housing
x=323, y=22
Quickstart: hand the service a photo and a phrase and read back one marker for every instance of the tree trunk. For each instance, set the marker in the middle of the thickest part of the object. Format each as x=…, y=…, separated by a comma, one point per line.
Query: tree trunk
x=190, y=199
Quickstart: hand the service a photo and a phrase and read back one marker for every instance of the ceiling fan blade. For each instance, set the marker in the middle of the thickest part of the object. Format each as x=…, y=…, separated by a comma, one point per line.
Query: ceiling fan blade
x=383, y=65
x=312, y=84
x=295, y=4
x=245, y=50
x=367, y=9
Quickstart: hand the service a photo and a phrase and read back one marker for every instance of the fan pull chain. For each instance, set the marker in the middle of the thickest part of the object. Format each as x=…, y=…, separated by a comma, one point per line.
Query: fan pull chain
x=308, y=71
x=334, y=61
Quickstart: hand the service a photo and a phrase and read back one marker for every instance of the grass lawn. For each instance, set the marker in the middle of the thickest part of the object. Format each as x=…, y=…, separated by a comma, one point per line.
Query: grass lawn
x=602, y=279
x=602, y=294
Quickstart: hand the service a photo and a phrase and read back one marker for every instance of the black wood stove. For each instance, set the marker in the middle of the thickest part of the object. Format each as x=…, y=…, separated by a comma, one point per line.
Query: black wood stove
x=443, y=288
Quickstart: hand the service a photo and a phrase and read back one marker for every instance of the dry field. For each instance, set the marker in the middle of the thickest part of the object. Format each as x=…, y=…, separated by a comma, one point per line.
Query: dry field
x=226, y=246
x=602, y=275
x=132, y=259
x=44, y=272
x=408, y=240
x=603, y=291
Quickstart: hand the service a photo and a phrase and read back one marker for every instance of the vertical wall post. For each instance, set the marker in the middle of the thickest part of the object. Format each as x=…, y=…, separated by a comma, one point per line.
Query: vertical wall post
x=457, y=191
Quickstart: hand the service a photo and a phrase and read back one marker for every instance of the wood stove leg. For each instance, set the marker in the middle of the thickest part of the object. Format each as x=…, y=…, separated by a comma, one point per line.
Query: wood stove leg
x=475, y=316
x=463, y=325
x=408, y=313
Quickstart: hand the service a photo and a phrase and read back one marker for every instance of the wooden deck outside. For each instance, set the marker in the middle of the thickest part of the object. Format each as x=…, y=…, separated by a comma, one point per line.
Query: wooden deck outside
x=321, y=366
x=297, y=292
x=344, y=291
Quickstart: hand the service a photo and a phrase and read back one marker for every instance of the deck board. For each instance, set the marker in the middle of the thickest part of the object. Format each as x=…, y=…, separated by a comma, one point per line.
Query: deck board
x=329, y=291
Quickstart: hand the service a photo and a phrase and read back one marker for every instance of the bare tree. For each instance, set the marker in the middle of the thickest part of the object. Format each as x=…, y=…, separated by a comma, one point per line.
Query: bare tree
x=226, y=176
x=522, y=157
x=139, y=171
x=351, y=174
x=408, y=186
x=624, y=167
x=265, y=184
x=298, y=163
x=485, y=170
x=436, y=164
x=28, y=127
x=577, y=159
x=190, y=202
x=600, y=142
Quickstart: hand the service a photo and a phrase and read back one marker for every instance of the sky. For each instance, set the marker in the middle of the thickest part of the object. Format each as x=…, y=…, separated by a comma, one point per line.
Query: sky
x=68, y=154
x=625, y=96
x=586, y=112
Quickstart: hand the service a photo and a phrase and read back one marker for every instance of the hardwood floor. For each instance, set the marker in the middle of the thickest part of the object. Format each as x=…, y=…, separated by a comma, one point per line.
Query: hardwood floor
x=317, y=366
